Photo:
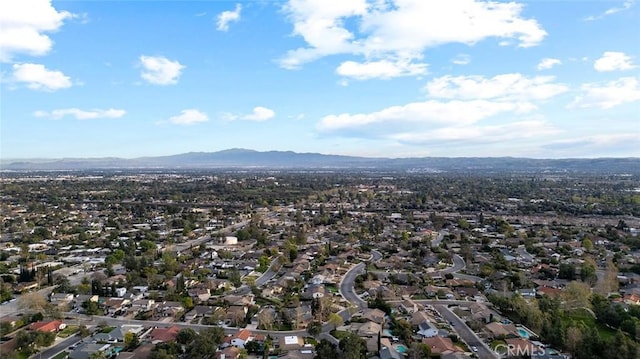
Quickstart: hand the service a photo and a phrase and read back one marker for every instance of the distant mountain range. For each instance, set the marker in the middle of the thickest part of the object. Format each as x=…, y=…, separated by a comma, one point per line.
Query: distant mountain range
x=250, y=159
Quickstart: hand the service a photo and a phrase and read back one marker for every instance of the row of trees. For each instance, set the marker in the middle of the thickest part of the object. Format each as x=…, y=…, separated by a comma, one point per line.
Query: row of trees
x=569, y=323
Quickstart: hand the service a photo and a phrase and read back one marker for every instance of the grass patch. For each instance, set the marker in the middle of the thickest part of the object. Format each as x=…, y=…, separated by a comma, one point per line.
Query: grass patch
x=462, y=346
x=331, y=288
x=339, y=334
x=107, y=330
x=68, y=331
x=310, y=340
x=497, y=343
x=581, y=315
x=61, y=355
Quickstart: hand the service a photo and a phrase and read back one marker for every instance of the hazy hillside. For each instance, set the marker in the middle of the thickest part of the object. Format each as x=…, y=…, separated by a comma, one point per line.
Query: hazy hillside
x=242, y=158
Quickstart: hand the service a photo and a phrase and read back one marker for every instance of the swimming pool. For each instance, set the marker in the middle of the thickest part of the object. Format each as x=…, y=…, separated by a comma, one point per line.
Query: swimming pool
x=400, y=348
x=525, y=332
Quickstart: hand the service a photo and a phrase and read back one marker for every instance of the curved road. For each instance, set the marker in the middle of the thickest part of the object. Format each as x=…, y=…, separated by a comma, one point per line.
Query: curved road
x=347, y=286
x=347, y=290
x=465, y=332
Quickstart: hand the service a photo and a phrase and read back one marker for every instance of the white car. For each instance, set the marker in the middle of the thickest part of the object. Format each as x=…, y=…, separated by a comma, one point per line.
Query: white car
x=474, y=348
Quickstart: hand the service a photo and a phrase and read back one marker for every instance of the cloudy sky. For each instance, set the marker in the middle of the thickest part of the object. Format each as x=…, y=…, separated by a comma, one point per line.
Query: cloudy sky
x=389, y=78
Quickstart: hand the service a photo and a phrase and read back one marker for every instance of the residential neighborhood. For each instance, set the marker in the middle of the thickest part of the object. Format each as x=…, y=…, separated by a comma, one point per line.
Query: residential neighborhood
x=289, y=265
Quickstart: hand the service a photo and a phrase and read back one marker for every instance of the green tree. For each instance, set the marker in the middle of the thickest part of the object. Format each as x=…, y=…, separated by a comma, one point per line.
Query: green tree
x=98, y=355
x=91, y=307
x=263, y=263
x=325, y=350
x=24, y=343
x=234, y=277
x=353, y=347
x=169, y=350
x=83, y=331
x=5, y=328
x=588, y=272
x=131, y=341
x=43, y=339
x=186, y=336
x=314, y=328
x=567, y=271
x=419, y=351
x=576, y=295
x=335, y=320
x=187, y=303
x=206, y=342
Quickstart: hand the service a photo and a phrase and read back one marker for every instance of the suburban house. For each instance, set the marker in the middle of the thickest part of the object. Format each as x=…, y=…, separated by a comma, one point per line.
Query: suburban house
x=200, y=294
x=369, y=329
x=228, y=353
x=291, y=342
x=143, y=304
x=61, y=298
x=236, y=314
x=169, y=308
x=374, y=315
x=47, y=327
x=163, y=335
x=85, y=350
x=499, y=330
x=440, y=345
x=240, y=338
x=427, y=329
x=113, y=305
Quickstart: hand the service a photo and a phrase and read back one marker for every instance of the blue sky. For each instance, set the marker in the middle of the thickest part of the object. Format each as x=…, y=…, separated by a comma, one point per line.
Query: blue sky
x=384, y=78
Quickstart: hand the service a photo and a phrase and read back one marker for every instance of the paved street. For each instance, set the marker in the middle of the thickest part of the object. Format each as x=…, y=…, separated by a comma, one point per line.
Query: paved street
x=11, y=308
x=197, y=241
x=484, y=352
x=347, y=286
x=61, y=345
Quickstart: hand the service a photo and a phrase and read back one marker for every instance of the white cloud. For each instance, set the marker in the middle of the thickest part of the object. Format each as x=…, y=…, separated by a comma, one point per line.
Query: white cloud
x=482, y=134
x=189, y=117
x=79, y=114
x=24, y=26
x=401, y=30
x=609, y=94
x=586, y=146
x=38, y=77
x=513, y=86
x=456, y=111
x=614, y=10
x=424, y=113
x=227, y=17
x=259, y=114
x=461, y=59
x=547, y=63
x=612, y=61
x=159, y=70
x=383, y=69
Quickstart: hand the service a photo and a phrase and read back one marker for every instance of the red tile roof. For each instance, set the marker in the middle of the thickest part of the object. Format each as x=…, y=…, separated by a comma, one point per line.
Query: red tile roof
x=164, y=334
x=50, y=326
x=244, y=334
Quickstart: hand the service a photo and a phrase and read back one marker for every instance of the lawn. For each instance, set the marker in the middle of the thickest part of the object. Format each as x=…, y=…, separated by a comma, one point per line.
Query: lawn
x=107, y=330
x=331, y=288
x=68, y=331
x=61, y=355
x=581, y=315
x=339, y=334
